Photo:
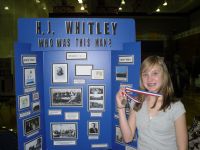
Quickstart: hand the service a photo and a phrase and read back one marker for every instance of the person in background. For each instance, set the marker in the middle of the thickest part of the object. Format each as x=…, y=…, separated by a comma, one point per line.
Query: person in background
x=160, y=121
x=180, y=76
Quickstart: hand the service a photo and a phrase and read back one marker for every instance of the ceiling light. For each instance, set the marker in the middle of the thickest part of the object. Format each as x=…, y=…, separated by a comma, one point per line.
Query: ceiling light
x=82, y=8
x=37, y=1
x=123, y=2
x=120, y=8
x=158, y=10
x=6, y=8
x=44, y=8
x=80, y=1
x=165, y=3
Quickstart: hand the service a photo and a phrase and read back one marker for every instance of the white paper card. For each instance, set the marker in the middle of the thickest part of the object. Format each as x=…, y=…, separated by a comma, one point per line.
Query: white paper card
x=29, y=60
x=79, y=81
x=96, y=114
x=126, y=59
x=72, y=115
x=64, y=142
x=83, y=70
x=130, y=148
x=99, y=145
x=55, y=112
x=93, y=137
x=24, y=114
x=76, y=55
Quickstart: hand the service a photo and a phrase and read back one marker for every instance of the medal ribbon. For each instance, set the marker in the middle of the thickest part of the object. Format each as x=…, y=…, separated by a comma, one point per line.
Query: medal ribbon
x=138, y=92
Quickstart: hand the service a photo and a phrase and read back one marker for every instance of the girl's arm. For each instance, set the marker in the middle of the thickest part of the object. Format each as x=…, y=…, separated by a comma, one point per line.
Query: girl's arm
x=181, y=133
x=127, y=126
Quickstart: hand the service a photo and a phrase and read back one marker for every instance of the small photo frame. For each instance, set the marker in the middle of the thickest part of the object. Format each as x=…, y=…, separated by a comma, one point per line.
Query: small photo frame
x=60, y=73
x=83, y=70
x=31, y=125
x=61, y=130
x=97, y=74
x=35, y=144
x=29, y=77
x=118, y=135
x=24, y=101
x=96, y=97
x=36, y=106
x=122, y=73
x=68, y=96
x=35, y=95
x=76, y=56
x=28, y=59
x=93, y=128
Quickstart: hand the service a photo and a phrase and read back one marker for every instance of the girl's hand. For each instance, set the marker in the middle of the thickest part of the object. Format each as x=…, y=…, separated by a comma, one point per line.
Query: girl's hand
x=120, y=97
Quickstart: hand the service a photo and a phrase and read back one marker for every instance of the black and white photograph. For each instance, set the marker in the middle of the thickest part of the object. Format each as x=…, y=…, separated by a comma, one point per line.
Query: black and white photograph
x=121, y=73
x=35, y=144
x=96, y=105
x=61, y=130
x=24, y=101
x=118, y=136
x=93, y=128
x=97, y=74
x=96, y=92
x=60, y=73
x=76, y=55
x=35, y=95
x=29, y=77
x=69, y=96
x=31, y=125
x=96, y=97
x=83, y=70
x=36, y=106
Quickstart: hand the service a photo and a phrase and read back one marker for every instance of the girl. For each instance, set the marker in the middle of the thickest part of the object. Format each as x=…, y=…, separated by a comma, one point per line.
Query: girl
x=160, y=121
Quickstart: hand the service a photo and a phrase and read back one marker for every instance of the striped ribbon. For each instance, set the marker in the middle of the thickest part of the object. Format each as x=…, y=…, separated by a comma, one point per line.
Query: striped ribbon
x=138, y=92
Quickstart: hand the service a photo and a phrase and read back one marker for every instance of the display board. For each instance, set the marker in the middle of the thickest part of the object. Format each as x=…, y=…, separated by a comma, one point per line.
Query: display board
x=68, y=71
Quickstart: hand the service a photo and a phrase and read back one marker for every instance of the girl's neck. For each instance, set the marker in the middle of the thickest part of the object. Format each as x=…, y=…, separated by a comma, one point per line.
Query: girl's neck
x=152, y=99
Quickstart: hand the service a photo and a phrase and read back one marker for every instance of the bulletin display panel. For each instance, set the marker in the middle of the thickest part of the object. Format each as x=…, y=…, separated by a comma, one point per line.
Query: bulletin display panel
x=87, y=98
x=125, y=73
x=29, y=99
x=67, y=112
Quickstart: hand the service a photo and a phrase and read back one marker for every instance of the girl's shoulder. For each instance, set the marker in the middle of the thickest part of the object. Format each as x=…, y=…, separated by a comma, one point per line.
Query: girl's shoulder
x=176, y=104
x=177, y=109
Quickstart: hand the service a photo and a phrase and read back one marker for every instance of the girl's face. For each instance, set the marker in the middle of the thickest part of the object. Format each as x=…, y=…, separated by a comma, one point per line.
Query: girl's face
x=152, y=78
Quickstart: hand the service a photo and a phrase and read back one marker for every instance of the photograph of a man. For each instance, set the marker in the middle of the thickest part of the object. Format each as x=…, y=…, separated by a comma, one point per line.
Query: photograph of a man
x=94, y=128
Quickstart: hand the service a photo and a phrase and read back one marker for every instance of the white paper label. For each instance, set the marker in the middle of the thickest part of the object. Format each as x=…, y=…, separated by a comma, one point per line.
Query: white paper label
x=55, y=112
x=64, y=143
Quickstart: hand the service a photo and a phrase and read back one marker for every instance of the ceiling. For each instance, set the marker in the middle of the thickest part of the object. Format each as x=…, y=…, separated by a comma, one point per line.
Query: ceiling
x=130, y=6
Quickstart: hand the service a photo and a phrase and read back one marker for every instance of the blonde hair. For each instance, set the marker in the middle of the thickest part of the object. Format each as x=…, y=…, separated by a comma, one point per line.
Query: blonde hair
x=166, y=89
